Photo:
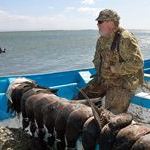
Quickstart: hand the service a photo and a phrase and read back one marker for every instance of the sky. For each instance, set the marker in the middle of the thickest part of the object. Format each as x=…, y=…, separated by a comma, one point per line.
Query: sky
x=22, y=15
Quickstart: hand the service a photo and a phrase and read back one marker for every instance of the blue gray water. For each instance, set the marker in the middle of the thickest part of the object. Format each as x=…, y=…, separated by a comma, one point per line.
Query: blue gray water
x=52, y=51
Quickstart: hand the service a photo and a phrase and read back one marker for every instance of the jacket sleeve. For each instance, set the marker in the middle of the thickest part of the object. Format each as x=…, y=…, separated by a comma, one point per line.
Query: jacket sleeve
x=97, y=57
x=131, y=56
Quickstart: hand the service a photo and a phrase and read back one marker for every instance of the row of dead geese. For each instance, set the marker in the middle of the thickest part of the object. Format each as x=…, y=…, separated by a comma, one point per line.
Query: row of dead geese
x=65, y=121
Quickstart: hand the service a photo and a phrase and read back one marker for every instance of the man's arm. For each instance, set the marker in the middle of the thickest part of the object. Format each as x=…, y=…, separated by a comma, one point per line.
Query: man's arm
x=97, y=57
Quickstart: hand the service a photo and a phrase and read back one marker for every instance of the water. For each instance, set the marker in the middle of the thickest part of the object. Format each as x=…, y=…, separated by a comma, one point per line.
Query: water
x=52, y=51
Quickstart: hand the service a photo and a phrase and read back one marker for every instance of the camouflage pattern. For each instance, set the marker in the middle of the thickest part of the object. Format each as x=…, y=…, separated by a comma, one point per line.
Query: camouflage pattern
x=117, y=100
x=93, y=90
x=127, y=62
x=127, y=75
x=119, y=71
x=108, y=15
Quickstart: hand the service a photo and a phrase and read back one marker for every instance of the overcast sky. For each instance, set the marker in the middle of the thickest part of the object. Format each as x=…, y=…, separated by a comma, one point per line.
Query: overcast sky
x=70, y=14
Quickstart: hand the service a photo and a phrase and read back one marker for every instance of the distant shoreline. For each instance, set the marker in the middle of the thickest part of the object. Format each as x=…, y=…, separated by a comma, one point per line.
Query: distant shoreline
x=67, y=30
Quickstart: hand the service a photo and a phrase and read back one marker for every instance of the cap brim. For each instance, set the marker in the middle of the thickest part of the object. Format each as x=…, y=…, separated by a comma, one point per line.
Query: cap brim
x=98, y=19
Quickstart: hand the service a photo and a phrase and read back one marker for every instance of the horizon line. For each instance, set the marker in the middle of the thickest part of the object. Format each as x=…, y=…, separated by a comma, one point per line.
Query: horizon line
x=1, y=31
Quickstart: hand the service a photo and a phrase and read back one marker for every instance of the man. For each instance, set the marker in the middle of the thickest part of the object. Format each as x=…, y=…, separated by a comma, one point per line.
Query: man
x=118, y=62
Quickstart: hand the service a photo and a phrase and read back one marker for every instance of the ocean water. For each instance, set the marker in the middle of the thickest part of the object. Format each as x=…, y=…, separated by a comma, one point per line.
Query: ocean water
x=31, y=52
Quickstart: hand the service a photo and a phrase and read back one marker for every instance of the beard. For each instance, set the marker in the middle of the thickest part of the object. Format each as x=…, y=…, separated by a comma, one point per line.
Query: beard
x=103, y=33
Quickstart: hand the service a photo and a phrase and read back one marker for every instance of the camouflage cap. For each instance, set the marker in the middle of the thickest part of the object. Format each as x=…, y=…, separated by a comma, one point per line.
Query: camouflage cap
x=108, y=15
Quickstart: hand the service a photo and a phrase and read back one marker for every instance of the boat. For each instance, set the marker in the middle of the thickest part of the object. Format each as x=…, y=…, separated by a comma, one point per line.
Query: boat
x=69, y=82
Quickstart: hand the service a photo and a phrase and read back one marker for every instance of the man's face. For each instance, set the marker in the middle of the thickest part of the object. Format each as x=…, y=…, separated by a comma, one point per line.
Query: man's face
x=105, y=27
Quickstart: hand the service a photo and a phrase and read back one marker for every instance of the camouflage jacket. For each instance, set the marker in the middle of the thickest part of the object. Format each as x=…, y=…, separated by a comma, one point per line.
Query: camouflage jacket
x=127, y=61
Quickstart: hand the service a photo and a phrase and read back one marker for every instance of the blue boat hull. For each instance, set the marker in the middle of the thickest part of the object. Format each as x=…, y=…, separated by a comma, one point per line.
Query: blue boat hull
x=68, y=84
